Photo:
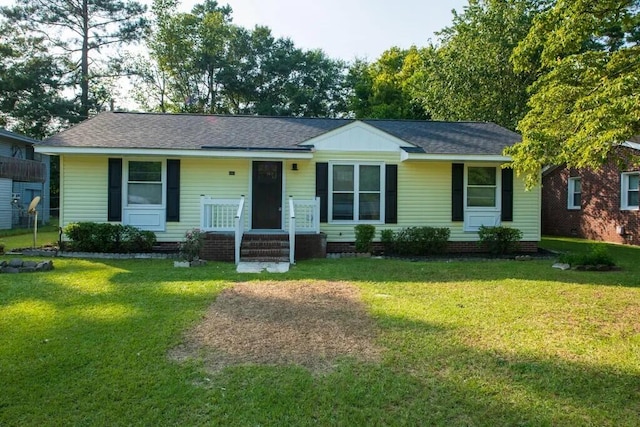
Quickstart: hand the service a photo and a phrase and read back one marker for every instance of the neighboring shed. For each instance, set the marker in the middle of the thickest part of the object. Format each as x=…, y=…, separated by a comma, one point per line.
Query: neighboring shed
x=23, y=176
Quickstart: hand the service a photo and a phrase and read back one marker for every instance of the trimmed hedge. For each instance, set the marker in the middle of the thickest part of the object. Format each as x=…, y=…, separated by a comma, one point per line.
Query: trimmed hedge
x=108, y=238
x=416, y=241
x=500, y=240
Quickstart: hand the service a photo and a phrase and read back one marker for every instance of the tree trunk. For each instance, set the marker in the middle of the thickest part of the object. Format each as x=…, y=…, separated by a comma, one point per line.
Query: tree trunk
x=84, y=63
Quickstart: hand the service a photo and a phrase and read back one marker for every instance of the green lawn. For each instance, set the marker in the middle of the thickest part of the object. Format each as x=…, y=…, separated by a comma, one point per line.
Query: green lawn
x=467, y=343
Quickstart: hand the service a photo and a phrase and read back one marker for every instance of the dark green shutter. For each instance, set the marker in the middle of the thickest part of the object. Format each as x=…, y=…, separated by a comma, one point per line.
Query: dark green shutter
x=457, y=192
x=114, y=190
x=173, y=190
x=391, y=195
x=322, y=189
x=507, y=195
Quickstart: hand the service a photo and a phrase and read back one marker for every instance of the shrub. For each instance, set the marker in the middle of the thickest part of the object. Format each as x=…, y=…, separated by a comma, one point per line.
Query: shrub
x=597, y=255
x=192, y=245
x=364, y=236
x=500, y=240
x=416, y=241
x=108, y=238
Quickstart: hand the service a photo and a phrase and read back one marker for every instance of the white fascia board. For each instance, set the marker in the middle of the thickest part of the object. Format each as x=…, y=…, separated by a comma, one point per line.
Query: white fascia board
x=630, y=144
x=404, y=156
x=253, y=154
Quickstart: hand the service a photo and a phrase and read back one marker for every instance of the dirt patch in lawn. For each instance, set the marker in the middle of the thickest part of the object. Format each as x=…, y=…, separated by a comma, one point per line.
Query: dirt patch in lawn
x=311, y=324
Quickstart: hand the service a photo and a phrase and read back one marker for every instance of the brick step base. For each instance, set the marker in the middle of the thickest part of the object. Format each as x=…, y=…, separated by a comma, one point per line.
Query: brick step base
x=265, y=248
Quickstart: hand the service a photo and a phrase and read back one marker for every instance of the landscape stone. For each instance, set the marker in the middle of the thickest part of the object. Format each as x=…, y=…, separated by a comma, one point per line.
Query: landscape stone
x=15, y=263
x=10, y=270
x=561, y=266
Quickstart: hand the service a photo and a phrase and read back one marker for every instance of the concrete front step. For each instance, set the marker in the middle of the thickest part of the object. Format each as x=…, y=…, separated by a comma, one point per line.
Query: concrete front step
x=259, y=267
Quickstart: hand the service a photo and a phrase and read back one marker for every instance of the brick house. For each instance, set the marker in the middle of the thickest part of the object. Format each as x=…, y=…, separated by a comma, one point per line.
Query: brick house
x=595, y=204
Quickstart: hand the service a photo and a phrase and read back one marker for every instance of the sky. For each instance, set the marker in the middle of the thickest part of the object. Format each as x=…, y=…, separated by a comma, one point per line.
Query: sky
x=343, y=29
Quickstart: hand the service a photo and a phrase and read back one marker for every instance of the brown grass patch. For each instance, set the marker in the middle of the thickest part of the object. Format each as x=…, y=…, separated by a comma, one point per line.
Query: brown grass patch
x=311, y=324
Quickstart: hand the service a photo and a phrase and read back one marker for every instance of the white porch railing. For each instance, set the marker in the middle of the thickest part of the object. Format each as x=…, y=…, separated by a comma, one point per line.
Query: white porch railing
x=307, y=214
x=239, y=225
x=218, y=214
x=292, y=231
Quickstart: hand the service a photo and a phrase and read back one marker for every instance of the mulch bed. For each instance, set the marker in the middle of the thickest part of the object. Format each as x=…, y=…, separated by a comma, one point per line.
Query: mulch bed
x=310, y=324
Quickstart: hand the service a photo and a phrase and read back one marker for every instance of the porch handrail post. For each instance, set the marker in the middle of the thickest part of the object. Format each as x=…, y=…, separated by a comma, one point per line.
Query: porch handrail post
x=202, y=209
x=316, y=216
x=292, y=231
x=239, y=225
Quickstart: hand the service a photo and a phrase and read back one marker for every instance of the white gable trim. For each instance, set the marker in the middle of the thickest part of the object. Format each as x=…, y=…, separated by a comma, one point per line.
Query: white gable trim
x=357, y=136
x=252, y=154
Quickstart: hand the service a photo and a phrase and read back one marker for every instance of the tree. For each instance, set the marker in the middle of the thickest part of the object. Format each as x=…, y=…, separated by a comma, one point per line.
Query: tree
x=31, y=81
x=77, y=30
x=469, y=76
x=202, y=63
x=386, y=88
x=586, y=100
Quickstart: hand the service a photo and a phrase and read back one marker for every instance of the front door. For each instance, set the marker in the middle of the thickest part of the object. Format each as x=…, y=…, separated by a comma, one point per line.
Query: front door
x=267, y=196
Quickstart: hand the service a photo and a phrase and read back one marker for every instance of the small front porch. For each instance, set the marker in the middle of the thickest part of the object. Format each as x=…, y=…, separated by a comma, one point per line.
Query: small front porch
x=228, y=237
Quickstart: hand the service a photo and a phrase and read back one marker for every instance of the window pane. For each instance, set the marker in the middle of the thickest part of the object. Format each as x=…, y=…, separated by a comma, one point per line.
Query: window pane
x=343, y=206
x=633, y=182
x=577, y=199
x=632, y=198
x=369, y=178
x=577, y=186
x=343, y=178
x=481, y=196
x=145, y=171
x=369, y=206
x=144, y=194
x=482, y=176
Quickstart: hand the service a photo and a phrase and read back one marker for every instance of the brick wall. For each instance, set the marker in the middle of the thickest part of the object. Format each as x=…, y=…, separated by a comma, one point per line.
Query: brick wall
x=221, y=246
x=218, y=247
x=310, y=246
x=454, y=247
x=600, y=213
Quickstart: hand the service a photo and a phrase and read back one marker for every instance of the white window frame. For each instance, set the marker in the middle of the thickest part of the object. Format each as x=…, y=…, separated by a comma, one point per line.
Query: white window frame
x=571, y=192
x=624, y=192
x=474, y=216
x=149, y=217
x=356, y=190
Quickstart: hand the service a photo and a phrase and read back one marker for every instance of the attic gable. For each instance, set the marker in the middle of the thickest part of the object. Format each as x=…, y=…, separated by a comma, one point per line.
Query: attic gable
x=357, y=136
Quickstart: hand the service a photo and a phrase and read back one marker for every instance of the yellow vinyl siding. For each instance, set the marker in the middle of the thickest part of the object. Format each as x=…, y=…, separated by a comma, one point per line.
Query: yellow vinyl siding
x=424, y=192
x=209, y=177
x=424, y=199
x=84, y=188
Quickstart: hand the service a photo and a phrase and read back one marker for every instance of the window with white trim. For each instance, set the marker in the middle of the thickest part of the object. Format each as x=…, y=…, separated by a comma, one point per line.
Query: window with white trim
x=482, y=187
x=629, y=190
x=574, y=193
x=356, y=192
x=144, y=183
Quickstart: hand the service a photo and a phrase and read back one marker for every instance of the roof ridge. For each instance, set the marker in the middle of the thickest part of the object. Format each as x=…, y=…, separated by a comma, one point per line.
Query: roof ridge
x=157, y=113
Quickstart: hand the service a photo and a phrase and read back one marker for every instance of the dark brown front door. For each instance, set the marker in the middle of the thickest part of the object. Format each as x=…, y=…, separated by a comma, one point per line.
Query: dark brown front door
x=267, y=195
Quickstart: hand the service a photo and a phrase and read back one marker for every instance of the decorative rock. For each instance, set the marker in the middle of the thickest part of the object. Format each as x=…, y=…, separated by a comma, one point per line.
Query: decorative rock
x=15, y=263
x=561, y=266
x=523, y=258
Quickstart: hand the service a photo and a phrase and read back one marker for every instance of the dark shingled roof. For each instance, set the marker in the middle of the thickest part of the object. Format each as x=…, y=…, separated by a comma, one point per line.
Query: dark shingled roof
x=5, y=134
x=196, y=131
